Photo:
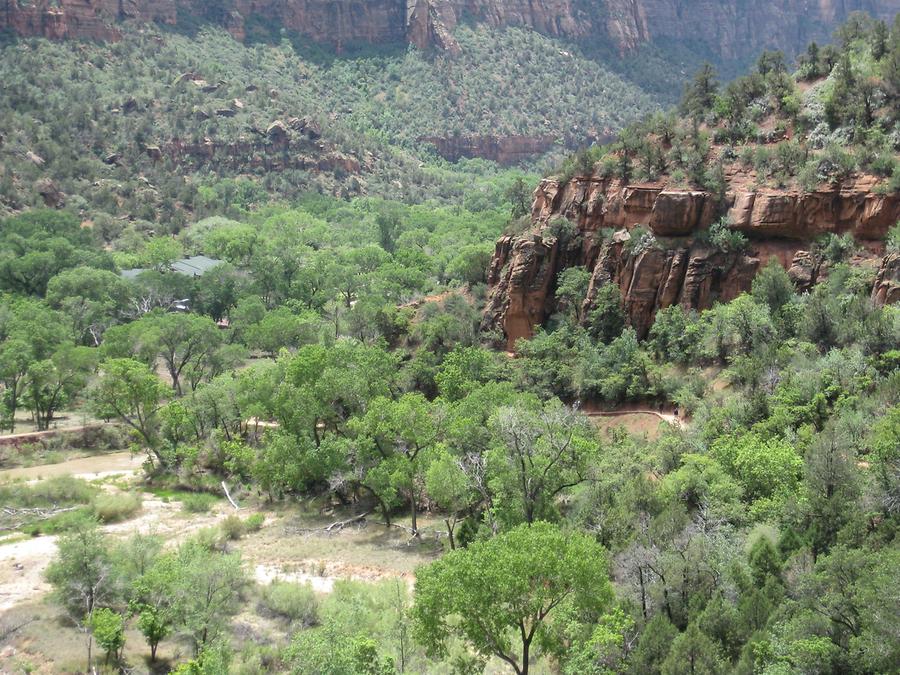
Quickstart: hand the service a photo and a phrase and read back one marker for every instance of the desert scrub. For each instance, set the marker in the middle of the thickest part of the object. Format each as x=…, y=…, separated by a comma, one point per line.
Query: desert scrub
x=233, y=527
x=295, y=602
x=112, y=508
x=197, y=502
x=58, y=491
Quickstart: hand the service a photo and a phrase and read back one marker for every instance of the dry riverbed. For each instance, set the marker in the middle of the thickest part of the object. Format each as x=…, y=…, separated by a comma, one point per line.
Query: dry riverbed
x=293, y=545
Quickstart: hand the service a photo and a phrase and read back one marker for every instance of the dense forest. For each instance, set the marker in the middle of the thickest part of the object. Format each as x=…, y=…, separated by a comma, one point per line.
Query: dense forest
x=329, y=372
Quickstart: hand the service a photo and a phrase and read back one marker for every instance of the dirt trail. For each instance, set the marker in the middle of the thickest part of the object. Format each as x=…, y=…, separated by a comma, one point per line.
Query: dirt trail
x=671, y=418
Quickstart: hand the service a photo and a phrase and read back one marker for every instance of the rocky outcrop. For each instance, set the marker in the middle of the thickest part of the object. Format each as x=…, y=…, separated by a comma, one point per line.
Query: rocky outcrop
x=731, y=29
x=277, y=153
x=647, y=239
x=887, y=282
x=506, y=150
x=91, y=19
x=593, y=203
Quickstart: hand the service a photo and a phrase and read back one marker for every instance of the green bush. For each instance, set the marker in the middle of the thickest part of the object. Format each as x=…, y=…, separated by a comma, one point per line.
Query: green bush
x=255, y=522
x=112, y=508
x=59, y=490
x=295, y=602
x=198, y=502
x=63, y=522
x=892, y=241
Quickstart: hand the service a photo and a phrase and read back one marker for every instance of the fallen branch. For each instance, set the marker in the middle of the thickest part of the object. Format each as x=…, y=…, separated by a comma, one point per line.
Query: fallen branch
x=31, y=515
x=341, y=524
x=225, y=487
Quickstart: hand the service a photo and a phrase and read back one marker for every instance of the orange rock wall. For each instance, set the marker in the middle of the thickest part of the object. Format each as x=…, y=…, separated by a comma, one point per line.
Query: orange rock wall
x=678, y=268
x=727, y=28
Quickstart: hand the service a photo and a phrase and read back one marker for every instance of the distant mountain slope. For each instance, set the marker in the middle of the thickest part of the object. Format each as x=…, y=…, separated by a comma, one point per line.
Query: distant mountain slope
x=139, y=126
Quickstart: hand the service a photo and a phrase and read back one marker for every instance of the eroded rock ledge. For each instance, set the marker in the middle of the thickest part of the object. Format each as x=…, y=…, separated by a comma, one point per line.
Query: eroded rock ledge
x=675, y=265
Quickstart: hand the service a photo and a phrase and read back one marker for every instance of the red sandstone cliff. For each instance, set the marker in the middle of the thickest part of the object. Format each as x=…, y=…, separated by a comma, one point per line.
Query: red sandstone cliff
x=674, y=265
x=729, y=28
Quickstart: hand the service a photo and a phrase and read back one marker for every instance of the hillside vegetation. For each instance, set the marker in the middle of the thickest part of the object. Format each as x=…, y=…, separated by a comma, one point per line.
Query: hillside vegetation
x=124, y=129
x=329, y=373
x=836, y=117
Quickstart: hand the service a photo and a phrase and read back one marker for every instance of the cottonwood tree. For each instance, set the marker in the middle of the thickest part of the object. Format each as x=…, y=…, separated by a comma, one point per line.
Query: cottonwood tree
x=403, y=431
x=207, y=591
x=82, y=577
x=501, y=596
x=129, y=391
x=185, y=341
x=540, y=451
x=53, y=382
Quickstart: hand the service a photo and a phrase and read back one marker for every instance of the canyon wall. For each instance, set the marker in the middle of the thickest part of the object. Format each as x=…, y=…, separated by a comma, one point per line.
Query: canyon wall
x=644, y=238
x=727, y=29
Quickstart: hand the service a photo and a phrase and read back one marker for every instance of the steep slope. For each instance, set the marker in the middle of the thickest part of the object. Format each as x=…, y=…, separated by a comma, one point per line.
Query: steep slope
x=803, y=171
x=142, y=124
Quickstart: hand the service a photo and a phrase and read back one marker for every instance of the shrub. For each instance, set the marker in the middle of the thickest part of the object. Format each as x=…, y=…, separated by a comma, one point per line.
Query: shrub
x=63, y=522
x=233, y=527
x=295, y=602
x=725, y=239
x=197, y=502
x=58, y=490
x=255, y=522
x=836, y=248
x=112, y=508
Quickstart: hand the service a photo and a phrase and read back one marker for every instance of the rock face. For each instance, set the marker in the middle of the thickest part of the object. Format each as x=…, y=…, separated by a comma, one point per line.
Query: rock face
x=664, y=262
x=506, y=150
x=727, y=28
x=887, y=282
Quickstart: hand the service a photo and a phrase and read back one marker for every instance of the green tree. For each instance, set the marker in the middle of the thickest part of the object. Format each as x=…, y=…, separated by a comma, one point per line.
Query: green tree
x=53, y=382
x=700, y=93
x=184, y=341
x=571, y=289
x=93, y=300
x=653, y=647
x=208, y=587
x=129, y=391
x=540, y=451
x=606, y=316
x=518, y=194
x=160, y=253
x=283, y=329
x=693, y=653
x=82, y=576
x=108, y=628
x=404, y=431
x=500, y=596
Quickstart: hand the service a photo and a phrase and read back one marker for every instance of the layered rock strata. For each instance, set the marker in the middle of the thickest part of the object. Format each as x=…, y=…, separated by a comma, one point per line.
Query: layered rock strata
x=731, y=29
x=648, y=240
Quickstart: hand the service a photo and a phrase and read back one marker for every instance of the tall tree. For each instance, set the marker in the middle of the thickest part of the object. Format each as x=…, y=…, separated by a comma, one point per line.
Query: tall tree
x=501, y=596
x=540, y=451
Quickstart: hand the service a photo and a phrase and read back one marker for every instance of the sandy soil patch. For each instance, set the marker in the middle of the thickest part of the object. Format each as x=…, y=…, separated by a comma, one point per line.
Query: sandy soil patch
x=89, y=468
